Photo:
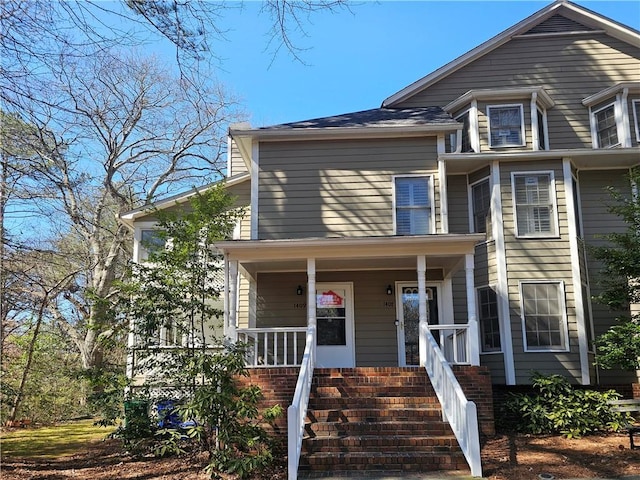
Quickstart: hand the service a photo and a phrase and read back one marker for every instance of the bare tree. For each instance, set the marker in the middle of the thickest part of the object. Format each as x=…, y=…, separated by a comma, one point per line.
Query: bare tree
x=126, y=131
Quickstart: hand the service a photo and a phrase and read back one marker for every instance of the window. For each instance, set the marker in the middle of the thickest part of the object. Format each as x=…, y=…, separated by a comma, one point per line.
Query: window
x=506, y=126
x=412, y=209
x=489, y=321
x=606, y=126
x=542, y=142
x=543, y=316
x=466, y=132
x=636, y=118
x=480, y=205
x=150, y=241
x=534, y=204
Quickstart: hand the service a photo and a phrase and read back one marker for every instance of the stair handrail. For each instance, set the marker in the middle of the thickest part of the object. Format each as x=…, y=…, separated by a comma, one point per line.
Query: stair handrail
x=461, y=413
x=297, y=411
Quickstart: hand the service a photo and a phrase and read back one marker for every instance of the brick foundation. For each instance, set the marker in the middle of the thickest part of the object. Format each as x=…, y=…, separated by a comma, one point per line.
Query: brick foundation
x=476, y=384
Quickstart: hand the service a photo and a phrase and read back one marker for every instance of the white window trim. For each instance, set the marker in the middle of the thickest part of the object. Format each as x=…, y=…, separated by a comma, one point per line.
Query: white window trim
x=594, y=124
x=636, y=120
x=522, y=129
x=137, y=239
x=554, y=204
x=432, y=207
x=563, y=310
x=471, y=131
x=492, y=287
x=545, y=128
x=472, y=226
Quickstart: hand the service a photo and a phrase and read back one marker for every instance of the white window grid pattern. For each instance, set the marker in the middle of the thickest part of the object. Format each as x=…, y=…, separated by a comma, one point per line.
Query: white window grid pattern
x=412, y=205
x=480, y=205
x=544, y=316
x=506, y=125
x=534, y=203
x=606, y=126
x=489, y=320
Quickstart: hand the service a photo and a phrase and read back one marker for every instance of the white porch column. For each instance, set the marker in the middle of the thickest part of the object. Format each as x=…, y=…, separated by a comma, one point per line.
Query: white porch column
x=422, y=307
x=232, y=301
x=311, y=296
x=474, y=337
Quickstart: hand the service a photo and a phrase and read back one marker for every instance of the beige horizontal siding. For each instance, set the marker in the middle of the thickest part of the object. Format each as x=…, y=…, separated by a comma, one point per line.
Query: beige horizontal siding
x=458, y=204
x=238, y=165
x=570, y=68
x=374, y=310
x=337, y=188
x=598, y=221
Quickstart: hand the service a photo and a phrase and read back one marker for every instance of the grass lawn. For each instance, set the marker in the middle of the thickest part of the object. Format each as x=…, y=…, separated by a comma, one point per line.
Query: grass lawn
x=51, y=442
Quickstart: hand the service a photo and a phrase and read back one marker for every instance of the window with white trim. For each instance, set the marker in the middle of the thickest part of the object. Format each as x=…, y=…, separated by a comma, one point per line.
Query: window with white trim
x=150, y=241
x=606, y=127
x=543, y=316
x=489, y=320
x=534, y=202
x=480, y=205
x=542, y=139
x=636, y=117
x=506, y=126
x=466, y=132
x=412, y=206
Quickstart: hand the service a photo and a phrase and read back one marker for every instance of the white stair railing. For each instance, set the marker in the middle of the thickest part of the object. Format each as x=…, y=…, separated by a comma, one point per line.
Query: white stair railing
x=458, y=411
x=453, y=340
x=297, y=411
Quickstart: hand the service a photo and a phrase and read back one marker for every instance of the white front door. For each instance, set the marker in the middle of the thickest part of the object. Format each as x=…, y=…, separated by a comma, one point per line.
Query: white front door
x=335, y=334
x=408, y=320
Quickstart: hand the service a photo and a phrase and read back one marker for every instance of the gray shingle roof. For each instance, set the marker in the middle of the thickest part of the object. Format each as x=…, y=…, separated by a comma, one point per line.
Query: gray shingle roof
x=377, y=117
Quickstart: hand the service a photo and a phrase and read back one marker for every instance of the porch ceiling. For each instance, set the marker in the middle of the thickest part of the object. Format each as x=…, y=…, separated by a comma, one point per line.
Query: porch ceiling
x=370, y=253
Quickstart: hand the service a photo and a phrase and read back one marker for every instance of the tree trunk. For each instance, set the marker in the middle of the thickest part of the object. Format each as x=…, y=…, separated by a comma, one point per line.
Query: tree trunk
x=17, y=400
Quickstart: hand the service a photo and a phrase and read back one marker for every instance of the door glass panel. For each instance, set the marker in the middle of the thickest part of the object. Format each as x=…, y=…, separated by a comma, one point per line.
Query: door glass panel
x=411, y=320
x=331, y=318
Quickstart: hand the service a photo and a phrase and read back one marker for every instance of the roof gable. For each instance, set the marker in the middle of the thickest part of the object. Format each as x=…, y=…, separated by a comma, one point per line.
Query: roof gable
x=559, y=18
x=558, y=24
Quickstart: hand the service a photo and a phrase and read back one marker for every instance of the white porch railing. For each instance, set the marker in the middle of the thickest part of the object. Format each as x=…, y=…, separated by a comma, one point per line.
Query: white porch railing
x=453, y=340
x=297, y=411
x=458, y=411
x=273, y=347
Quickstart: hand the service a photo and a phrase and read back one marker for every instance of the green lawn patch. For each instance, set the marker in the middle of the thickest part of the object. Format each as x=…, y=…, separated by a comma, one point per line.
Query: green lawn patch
x=51, y=442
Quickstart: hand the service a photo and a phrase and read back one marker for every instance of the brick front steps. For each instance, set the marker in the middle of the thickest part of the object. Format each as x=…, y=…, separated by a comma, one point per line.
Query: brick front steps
x=368, y=419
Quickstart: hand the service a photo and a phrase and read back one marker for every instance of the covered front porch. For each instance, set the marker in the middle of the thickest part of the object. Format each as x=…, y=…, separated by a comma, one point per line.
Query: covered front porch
x=368, y=298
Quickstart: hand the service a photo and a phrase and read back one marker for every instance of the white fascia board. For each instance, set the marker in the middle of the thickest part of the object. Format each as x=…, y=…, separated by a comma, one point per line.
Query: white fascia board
x=610, y=92
x=632, y=153
x=330, y=133
x=543, y=98
x=130, y=217
x=571, y=10
x=439, y=244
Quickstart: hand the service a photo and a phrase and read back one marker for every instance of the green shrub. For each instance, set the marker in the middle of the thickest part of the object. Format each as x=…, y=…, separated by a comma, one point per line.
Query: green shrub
x=557, y=407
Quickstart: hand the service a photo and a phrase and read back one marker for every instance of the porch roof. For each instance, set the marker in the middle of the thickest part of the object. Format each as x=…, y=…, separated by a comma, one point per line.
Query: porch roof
x=354, y=253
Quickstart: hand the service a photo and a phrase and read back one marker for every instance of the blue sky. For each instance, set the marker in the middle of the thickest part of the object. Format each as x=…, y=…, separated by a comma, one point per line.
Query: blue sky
x=354, y=60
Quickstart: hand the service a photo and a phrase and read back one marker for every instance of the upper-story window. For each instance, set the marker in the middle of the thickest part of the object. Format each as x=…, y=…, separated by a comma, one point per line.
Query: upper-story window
x=480, y=205
x=412, y=205
x=506, y=126
x=149, y=241
x=606, y=127
x=542, y=137
x=613, y=112
x=534, y=204
x=466, y=132
x=636, y=118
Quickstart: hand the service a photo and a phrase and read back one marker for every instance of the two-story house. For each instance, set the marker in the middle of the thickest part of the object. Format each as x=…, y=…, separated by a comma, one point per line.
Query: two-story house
x=456, y=217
